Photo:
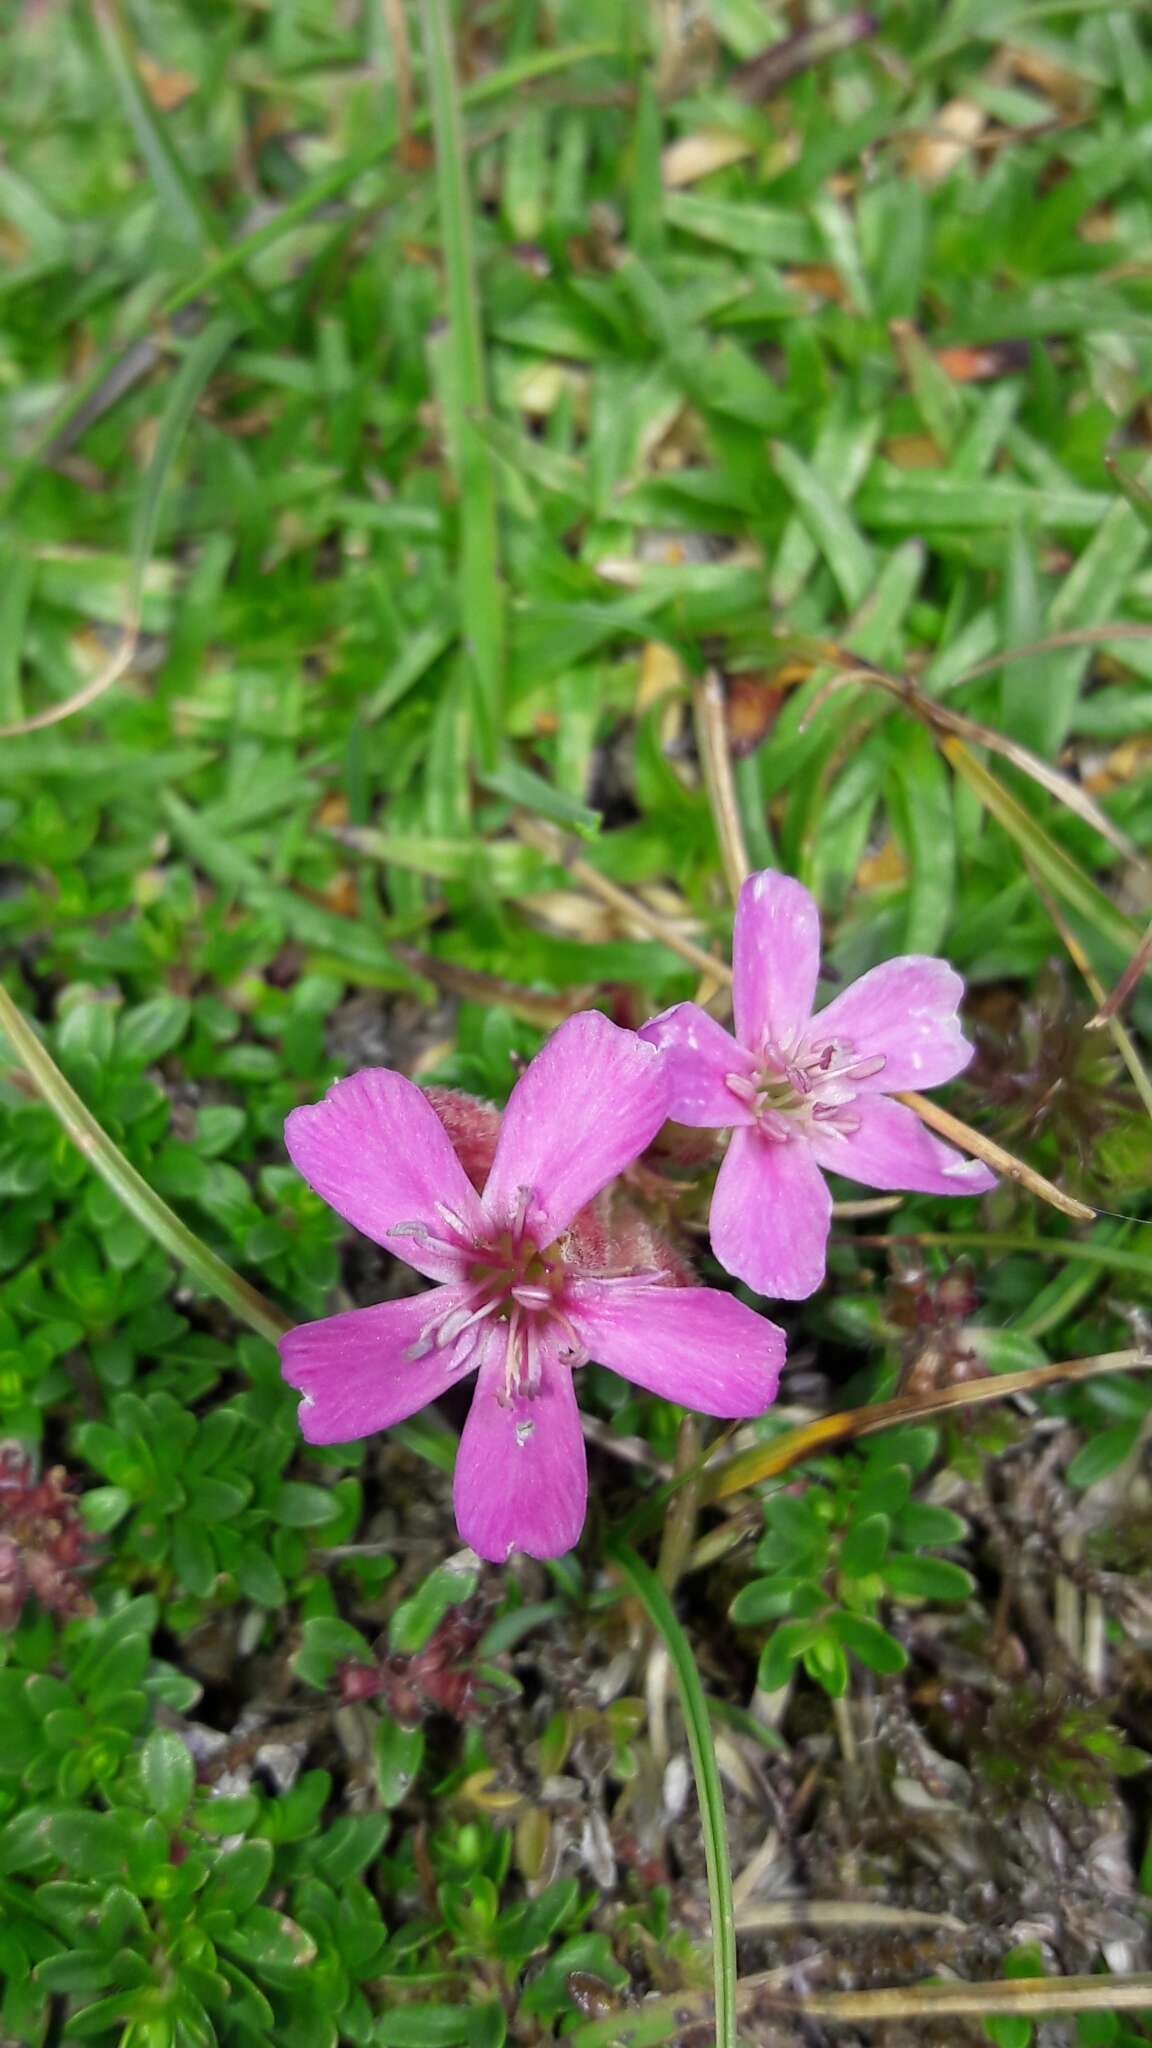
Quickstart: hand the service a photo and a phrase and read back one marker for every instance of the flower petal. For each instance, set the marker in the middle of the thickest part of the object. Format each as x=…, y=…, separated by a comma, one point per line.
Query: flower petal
x=892, y=1150
x=906, y=1010
x=376, y=1152
x=592, y=1099
x=353, y=1372
x=521, y=1474
x=694, y=1345
x=698, y=1056
x=771, y=1213
x=775, y=960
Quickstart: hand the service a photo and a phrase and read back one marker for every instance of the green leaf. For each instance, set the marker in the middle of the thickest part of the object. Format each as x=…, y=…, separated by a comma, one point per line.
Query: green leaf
x=81, y=1971
x=326, y=1644
x=926, y=1578
x=167, y=1774
x=427, y=2026
x=399, y=1754
x=104, y=1506
x=869, y=1642
x=824, y=1660
x=1103, y=1453
x=240, y=1876
x=795, y=1524
x=923, y=1522
x=193, y=1557
x=763, y=1600
x=865, y=1546
x=1056, y=868
x=831, y=527
x=532, y=793
x=300, y=1506
x=780, y=1652
x=348, y=1845
x=91, y=1844
x=417, y=1618
x=152, y=1028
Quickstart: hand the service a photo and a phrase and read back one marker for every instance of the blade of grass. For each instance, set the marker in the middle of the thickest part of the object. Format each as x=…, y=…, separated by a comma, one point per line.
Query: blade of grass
x=509, y=79
x=1117, y=1031
x=466, y=396
x=1112, y=1258
x=1059, y=870
x=180, y=195
x=939, y=718
x=794, y=1446
x=768, y=1461
x=709, y=1791
x=141, y=1201
x=188, y=384
x=676, y=2017
x=16, y=584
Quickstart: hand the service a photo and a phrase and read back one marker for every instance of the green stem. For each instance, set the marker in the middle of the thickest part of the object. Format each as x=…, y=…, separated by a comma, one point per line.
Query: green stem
x=465, y=393
x=709, y=1791
x=138, y=1198
x=1111, y=1257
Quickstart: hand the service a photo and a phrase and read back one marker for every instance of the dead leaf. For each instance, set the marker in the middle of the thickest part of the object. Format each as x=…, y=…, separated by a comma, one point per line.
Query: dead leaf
x=752, y=704
x=822, y=280
x=914, y=451
x=1040, y=68
x=696, y=156
x=165, y=88
x=981, y=365
x=935, y=152
x=879, y=870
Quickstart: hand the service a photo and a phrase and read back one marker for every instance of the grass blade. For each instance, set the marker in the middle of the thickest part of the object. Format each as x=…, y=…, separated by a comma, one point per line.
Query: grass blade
x=465, y=394
x=659, y=1610
x=1059, y=870
x=187, y=385
x=141, y=1201
x=768, y=1461
x=177, y=190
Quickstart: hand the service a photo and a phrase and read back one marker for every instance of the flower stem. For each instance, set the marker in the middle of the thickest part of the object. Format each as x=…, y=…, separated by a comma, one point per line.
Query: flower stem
x=139, y=1199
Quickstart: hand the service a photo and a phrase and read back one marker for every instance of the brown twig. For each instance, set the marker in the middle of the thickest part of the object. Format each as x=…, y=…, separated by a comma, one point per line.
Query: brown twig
x=708, y=710
x=548, y=839
x=1136, y=968
x=768, y=1461
x=939, y=718
x=994, y=1155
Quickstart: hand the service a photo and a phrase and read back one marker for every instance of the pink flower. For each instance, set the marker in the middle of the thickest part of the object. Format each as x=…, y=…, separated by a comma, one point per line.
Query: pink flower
x=806, y=1095
x=511, y=1302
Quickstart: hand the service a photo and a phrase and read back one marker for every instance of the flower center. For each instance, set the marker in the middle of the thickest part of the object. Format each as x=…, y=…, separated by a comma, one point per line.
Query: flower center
x=513, y=1297
x=806, y=1087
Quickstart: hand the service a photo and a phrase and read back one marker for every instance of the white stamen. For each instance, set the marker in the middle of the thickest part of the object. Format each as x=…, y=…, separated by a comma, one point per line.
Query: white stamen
x=454, y=1222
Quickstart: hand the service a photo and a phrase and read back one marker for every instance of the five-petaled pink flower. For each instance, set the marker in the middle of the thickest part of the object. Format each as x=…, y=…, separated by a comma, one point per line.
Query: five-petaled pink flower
x=806, y=1095
x=511, y=1302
